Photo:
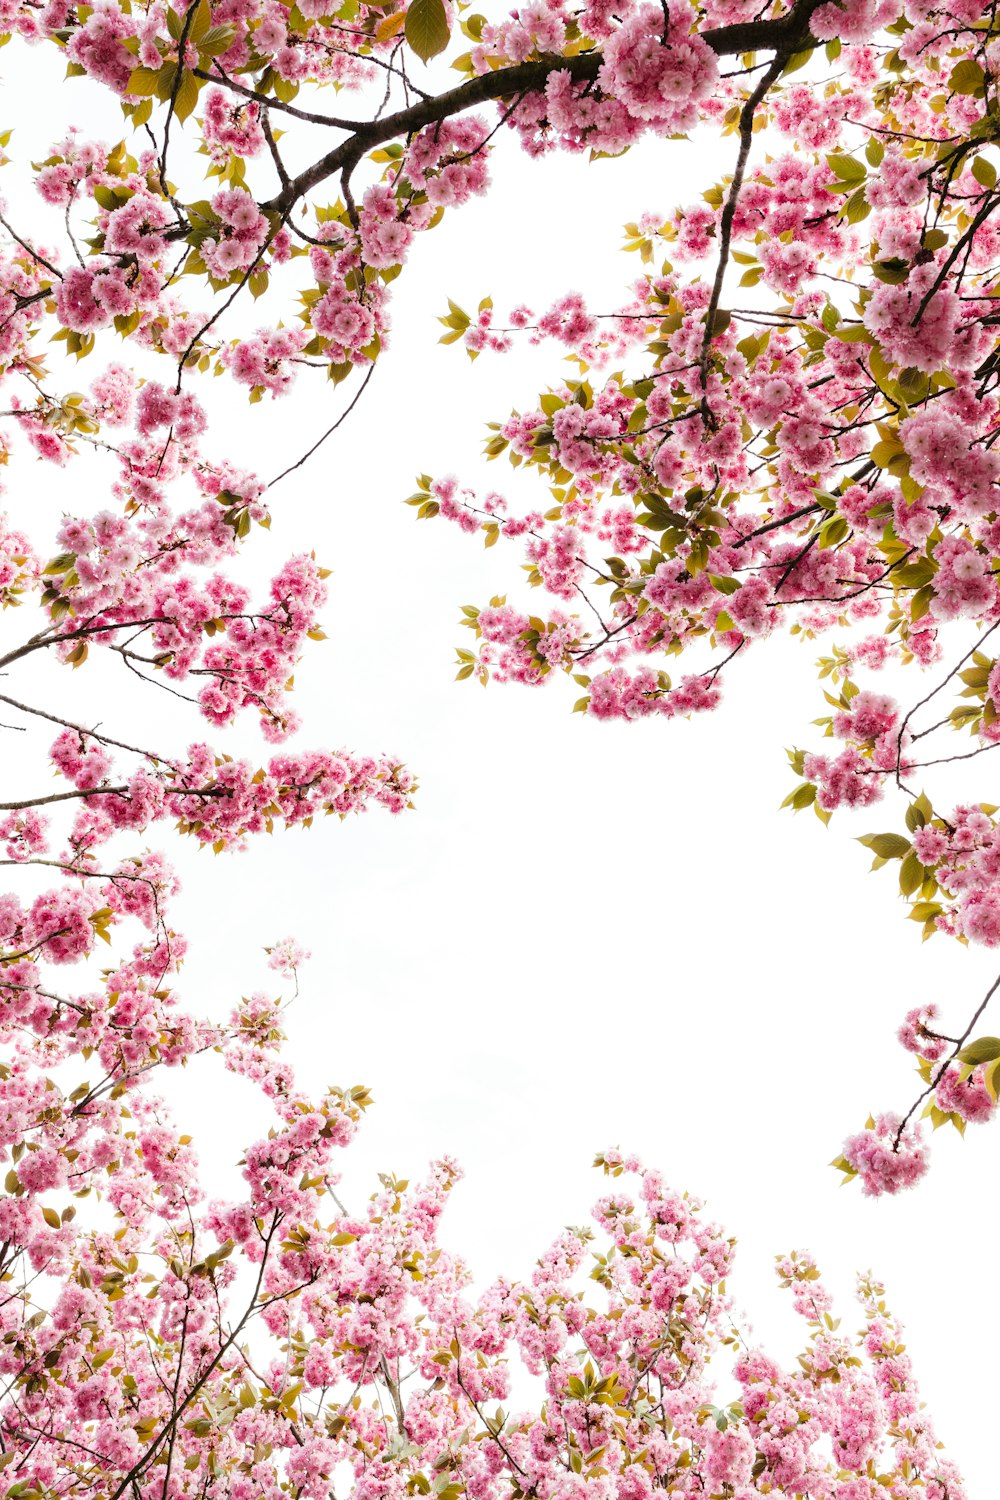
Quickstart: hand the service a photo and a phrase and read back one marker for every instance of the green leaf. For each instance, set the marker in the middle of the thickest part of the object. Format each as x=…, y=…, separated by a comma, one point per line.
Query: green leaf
x=925, y=911
x=834, y=531
x=847, y=169
x=984, y=172
x=991, y=1078
x=186, y=97
x=885, y=451
x=142, y=81
x=284, y=88
x=914, y=818
x=427, y=28
x=201, y=22
x=983, y=1049
x=796, y=61
x=911, y=875
x=105, y=198
x=913, y=383
x=857, y=207
x=725, y=585
x=893, y=271
x=966, y=78
x=165, y=81
x=916, y=574
x=921, y=603
x=886, y=845
x=217, y=39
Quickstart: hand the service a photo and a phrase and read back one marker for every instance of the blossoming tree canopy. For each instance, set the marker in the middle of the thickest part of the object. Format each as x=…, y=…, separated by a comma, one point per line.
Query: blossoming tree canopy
x=285, y=1345
x=158, y=1345
x=824, y=453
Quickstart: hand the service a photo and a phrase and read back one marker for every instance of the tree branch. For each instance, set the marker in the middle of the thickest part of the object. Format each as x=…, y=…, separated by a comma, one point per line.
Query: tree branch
x=787, y=34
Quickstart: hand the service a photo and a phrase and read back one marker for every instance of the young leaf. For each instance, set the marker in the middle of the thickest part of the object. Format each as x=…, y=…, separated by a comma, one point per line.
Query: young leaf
x=427, y=28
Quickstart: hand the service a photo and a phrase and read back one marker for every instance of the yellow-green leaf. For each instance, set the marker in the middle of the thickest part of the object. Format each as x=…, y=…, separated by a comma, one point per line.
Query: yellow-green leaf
x=966, y=78
x=186, y=97
x=983, y=1049
x=142, y=81
x=427, y=28
x=984, y=172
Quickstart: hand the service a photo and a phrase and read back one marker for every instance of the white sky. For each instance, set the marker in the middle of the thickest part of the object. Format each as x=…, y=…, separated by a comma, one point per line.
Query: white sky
x=587, y=934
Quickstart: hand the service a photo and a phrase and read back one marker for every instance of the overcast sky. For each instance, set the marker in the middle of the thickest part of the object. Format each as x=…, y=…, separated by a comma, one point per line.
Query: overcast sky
x=587, y=934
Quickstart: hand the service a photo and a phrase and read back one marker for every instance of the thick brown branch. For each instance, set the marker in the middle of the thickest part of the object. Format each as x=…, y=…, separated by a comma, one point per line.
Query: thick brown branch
x=785, y=35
